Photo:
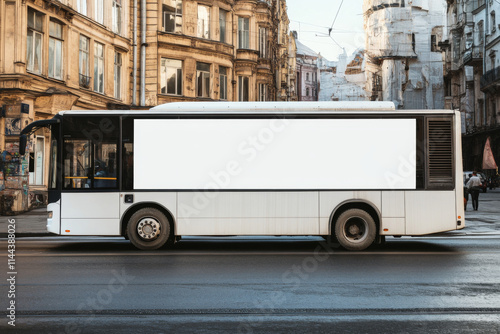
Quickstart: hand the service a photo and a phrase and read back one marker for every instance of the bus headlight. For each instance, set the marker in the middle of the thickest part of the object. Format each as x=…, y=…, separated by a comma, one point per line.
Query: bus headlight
x=50, y=214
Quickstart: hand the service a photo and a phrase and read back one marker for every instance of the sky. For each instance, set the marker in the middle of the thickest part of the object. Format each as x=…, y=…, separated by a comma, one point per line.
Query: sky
x=313, y=18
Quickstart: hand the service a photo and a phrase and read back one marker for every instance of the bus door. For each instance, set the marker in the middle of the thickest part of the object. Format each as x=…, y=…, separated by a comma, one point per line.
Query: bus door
x=90, y=197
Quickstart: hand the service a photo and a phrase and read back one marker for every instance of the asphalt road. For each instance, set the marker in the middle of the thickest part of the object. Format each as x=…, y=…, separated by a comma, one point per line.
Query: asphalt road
x=254, y=285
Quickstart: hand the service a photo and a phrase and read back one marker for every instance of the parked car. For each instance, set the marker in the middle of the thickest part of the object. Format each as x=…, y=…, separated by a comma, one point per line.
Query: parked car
x=482, y=177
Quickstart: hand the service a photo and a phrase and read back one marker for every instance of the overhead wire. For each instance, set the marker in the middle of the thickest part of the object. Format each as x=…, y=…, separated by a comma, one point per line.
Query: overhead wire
x=335, y=19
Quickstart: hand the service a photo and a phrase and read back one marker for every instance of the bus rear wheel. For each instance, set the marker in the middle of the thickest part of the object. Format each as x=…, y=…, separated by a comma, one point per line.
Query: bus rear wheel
x=355, y=229
x=148, y=229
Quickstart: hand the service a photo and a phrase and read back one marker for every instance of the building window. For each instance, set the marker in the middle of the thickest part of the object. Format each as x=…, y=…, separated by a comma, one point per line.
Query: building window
x=263, y=42
x=243, y=88
x=222, y=83
x=262, y=92
x=202, y=80
x=204, y=22
x=434, y=46
x=222, y=25
x=172, y=16
x=307, y=91
x=243, y=33
x=55, y=50
x=34, y=48
x=118, y=75
x=480, y=28
x=493, y=21
x=377, y=82
x=469, y=40
x=280, y=34
x=84, y=64
x=99, y=11
x=81, y=6
x=456, y=48
x=171, y=76
x=117, y=16
x=99, y=68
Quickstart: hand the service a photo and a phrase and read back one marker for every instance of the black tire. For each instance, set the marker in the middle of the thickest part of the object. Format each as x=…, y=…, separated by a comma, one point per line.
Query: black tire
x=355, y=229
x=148, y=229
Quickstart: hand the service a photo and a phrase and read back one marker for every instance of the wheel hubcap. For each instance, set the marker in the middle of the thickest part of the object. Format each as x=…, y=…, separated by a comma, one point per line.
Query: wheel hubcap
x=148, y=228
x=355, y=229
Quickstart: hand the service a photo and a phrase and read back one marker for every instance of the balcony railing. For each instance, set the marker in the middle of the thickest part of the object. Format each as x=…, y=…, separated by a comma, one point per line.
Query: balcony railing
x=490, y=79
x=473, y=55
x=84, y=81
x=476, y=4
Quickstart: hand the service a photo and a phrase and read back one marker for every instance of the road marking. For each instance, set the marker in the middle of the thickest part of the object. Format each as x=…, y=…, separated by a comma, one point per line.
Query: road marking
x=272, y=312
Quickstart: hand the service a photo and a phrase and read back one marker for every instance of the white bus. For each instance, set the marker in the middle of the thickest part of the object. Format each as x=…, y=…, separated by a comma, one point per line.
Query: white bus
x=356, y=172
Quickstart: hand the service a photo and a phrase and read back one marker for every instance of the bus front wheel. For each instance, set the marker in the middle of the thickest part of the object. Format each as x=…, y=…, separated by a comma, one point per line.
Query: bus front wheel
x=148, y=229
x=355, y=229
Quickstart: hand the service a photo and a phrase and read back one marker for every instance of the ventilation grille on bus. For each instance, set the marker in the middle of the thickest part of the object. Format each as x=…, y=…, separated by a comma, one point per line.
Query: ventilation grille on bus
x=440, y=153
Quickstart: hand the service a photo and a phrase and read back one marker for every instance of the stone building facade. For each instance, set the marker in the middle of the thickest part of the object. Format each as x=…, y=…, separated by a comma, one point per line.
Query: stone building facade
x=345, y=79
x=307, y=73
x=404, y=61
x=126, y=54
x=472, y=75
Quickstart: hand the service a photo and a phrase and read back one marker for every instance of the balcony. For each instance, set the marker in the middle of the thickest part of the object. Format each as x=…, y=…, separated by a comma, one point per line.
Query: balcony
x=473, y=56
x=463, y=19
x=477, y=5
x=490, y=81
x=247, y=55
x=84, y=81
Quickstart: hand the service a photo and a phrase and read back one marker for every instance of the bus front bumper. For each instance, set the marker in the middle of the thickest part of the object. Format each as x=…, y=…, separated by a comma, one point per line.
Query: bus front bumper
x=54, y=218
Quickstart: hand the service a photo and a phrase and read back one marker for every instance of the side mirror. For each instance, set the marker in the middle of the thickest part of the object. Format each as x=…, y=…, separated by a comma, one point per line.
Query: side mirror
x=23, y=140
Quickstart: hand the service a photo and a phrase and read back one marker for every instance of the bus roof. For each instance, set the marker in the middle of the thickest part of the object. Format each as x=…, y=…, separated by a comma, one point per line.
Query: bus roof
x=280, y=106
x=209, y=108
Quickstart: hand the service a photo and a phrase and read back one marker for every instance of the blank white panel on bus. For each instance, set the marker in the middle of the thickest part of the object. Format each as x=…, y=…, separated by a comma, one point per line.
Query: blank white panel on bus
x=285, y=154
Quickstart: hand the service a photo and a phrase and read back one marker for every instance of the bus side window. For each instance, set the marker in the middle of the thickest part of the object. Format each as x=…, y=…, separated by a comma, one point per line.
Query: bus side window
x=128, y=153
x=90, y=156
x=105, y=175
x=128, y=166
x=76, y=163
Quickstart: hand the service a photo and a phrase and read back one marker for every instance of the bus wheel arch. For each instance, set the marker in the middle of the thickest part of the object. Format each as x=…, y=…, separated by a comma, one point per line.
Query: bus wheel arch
x=355, y=225
x=154, y=209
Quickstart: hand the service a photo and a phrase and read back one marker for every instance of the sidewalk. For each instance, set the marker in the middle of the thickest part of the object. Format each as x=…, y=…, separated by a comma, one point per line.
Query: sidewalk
x=487, y=218
x=484, y=221
x=28, y=224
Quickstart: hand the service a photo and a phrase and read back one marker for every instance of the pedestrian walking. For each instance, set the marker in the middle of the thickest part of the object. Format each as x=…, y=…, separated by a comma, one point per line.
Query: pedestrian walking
x=474, y=186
